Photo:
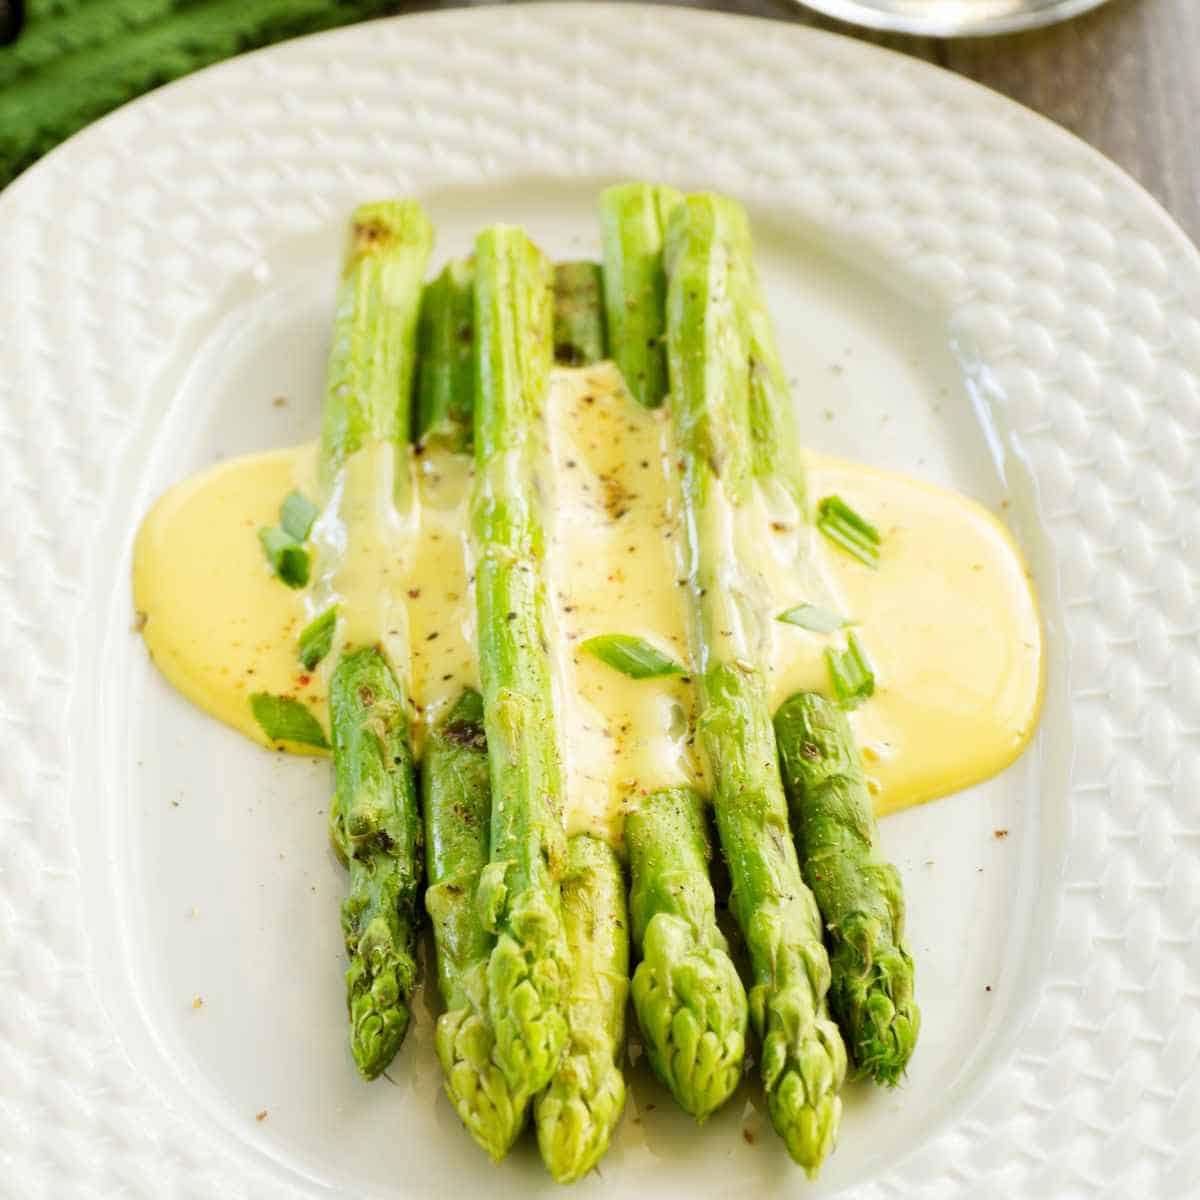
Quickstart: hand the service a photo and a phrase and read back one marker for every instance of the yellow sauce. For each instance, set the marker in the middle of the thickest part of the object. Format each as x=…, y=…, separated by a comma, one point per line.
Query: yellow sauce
x=951, y=625
x=613, y=524
x=949, y=620
x=217, y=623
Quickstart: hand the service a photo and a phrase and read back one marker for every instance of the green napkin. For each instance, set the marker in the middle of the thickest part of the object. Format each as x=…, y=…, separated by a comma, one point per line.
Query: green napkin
x=75, y=60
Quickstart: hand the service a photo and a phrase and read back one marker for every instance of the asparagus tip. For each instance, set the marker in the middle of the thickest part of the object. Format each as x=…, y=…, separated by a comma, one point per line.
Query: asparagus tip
x=492, y=1113
x=692, y=1010
x=525, y=1000
x=378, y=1015
x=578, y=1112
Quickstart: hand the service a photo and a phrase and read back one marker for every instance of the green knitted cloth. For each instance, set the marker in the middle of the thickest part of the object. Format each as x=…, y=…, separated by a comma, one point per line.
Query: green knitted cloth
x=75, y=60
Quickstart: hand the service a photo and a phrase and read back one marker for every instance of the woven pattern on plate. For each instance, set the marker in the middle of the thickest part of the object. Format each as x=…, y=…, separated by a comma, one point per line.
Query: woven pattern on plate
x=1094, y=371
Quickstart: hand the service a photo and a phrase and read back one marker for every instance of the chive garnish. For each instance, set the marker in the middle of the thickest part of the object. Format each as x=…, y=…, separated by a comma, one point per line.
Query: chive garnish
x=284, y=719
x=316, y=638
x=631, y=656
x=850, y=673
x=297, y=515
x=813, y=618
x=288, y=558
x=846, y=528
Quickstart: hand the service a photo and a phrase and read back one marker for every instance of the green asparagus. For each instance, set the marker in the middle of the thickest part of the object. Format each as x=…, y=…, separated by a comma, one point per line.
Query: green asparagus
x=634, y=220
x=373, y=819
x=689, y=1000
x=577, y=1113
x=378, y=832
x=368, y=390
x=578, y=314
x=709, y=340
x=777, y=458
x=456, y=794
x=445, y=377
x=858, y=892
x=528, y=971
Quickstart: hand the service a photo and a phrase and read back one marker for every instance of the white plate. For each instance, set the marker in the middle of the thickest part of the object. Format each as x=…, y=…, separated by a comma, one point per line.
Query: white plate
x=953, y=18
x=976, y=297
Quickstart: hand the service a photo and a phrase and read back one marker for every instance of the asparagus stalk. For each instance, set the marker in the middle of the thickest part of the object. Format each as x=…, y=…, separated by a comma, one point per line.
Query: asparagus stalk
x=578, y=314
x=776, y=448
x=528, y=969
x=457, y=791
x=577, y=1113
x=689, y=1000
x=379, y=834
x=368, y=389
x=445, y=379
x=858, y=891
x=634, y=220
x=859, y=895
x=374, y=824
x=709, y=351
x=456, y=794
x=455, y=785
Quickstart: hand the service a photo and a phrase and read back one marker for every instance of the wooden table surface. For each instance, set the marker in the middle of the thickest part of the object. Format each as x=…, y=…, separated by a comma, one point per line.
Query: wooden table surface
x=1124, y=77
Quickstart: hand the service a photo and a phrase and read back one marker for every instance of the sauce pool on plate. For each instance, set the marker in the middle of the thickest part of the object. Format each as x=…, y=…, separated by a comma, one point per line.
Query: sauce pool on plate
x=948, y=619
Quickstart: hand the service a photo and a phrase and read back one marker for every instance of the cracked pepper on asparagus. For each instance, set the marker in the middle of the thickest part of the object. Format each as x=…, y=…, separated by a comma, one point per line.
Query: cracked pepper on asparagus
x=456, y=791
x=858, y=892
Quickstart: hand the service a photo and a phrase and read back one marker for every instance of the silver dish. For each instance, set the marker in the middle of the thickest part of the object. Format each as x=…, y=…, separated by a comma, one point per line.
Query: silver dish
x=952, y=18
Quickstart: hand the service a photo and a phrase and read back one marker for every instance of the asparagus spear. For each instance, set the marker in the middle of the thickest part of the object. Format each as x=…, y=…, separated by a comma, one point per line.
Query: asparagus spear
x=689, y=1000
x=456, y=792
x=445, y=380
x=368, y=388
x=577, y=1113
x=374, y=826
x=634, y=219
x=690, y=1003
x=578, y=314
x=774, y=430
x=455, y=786
x=858, y=892
x=379, y=833
x=519, y=889
x=708, y=339
x=455, y=777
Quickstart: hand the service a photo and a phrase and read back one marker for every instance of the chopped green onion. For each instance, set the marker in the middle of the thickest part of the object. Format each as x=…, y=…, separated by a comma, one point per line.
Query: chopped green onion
x=297, y=516
x=286, y=720
x=843, y=526
x=288, y=558
x=813, y=618
x=631, y=656
x=316, y=638
x=850, y=673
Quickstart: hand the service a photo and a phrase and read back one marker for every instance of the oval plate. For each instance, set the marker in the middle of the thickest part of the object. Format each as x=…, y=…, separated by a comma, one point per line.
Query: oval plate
x=964, y=291
x=952, y=18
